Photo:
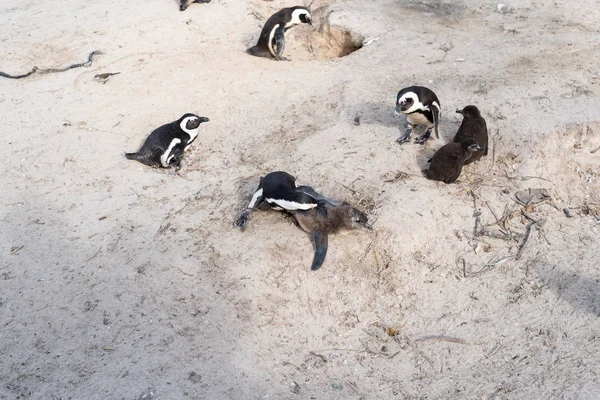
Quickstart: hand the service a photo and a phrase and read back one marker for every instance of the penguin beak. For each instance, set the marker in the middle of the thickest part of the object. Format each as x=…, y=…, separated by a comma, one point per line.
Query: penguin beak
x=310, y=22
x=460, y=112
x=204, y=119
x=480, y=148
x=397, y=111
x=368, y=226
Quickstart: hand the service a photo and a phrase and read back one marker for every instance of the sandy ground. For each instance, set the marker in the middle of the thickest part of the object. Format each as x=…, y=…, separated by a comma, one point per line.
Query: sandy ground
x=119, y=281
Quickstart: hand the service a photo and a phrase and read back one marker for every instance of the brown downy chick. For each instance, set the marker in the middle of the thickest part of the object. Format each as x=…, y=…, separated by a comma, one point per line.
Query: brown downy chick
x=323, y=220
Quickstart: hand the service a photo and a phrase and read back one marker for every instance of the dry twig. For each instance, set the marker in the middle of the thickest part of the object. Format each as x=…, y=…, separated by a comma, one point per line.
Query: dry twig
x=442, y=338
x=88, y=63
x=526, y=238
x=491, y=265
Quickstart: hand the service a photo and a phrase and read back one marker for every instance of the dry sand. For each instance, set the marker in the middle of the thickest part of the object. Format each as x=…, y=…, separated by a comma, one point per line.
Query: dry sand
x=119, y=281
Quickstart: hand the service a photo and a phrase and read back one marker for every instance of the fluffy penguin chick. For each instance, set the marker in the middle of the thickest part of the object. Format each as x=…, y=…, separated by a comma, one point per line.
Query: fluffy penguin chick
x=279, y=190
x=446, y=164
x=323, y=220
x=271, y=42
x=473, y=126
x=165, y=145
x=421, y=107
x=183, y=4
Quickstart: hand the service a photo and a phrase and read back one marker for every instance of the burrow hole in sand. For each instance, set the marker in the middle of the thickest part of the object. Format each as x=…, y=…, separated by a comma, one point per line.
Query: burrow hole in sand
x=335, y=42
x=324, y=43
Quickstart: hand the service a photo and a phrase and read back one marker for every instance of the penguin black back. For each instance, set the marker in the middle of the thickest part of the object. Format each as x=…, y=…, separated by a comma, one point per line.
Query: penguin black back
x=322, y=221
x=279, y=190
x=164, y=147
x=421, y=107
x=473, y=126
x=271, y=42
x=446, y=164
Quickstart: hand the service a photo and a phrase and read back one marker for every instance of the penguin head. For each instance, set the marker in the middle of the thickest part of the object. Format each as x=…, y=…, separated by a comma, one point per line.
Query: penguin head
x=471, y=145
x=469, y=112
x=405, y=102
x=354, y=218
x=191, y=122
x=301, y=15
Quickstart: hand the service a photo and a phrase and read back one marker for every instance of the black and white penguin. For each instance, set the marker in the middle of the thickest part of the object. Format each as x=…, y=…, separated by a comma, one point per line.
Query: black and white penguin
x=183, y=4
x=446, y=164
x=473, y=126
x=278, y=189
x=322, y=221
x=421, y=107
x=164, y=147
x=271, y=42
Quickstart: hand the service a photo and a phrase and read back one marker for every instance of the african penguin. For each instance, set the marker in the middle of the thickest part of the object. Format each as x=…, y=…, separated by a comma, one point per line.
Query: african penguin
x=271, y=42
x=183, y=4
x=446, y=164
x=421, y=107
x=278, y=189
x=320, y=222
x=164, y=147
x=473, y=126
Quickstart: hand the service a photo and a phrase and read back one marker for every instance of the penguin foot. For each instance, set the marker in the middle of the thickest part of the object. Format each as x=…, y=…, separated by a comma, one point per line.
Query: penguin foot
x=242, y=219
x=282, y=59
x=404, y=139
x=422, y=139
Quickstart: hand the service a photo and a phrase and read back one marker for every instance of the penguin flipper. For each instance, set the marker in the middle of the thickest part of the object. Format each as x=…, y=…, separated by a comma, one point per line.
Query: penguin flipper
x=317, y=196
x=320, y=241
x=436, y=117
x=455, y=176
x=279, y=42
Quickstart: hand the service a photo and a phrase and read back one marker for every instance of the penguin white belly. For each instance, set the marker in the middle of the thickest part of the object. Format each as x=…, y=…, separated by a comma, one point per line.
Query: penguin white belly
x=166, y=157
x=418, y=119
x=290, y=205
x=270, y=43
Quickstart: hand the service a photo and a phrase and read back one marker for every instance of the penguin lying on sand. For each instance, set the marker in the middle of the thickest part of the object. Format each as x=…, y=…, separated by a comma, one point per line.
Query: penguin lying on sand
x=322, y=221
x=473, y=126
x=279, y=190
x=421, y=107
x=183, y=4
x=271, y=42
x=446, y=164
x=166, y=144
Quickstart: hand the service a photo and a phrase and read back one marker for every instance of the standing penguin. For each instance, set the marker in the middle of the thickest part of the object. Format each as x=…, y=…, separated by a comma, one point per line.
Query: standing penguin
x=271, y=42
x=279, y=190
x=164, y=147
x=421, y=107
x=473, y=126
x=322, y=221
x=446, y=164
x=183, y=4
